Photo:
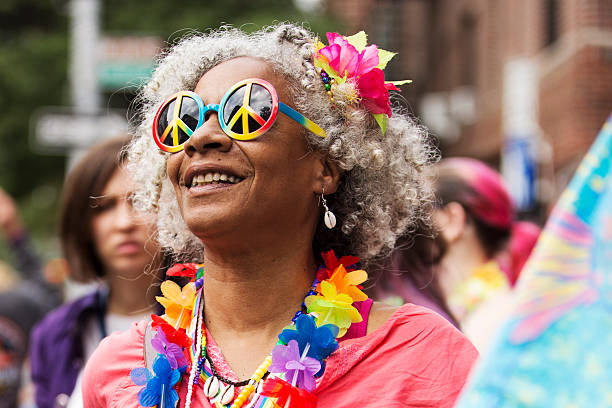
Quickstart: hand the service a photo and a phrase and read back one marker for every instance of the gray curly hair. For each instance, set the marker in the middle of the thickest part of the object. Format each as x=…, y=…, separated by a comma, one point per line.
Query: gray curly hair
x=383, y=191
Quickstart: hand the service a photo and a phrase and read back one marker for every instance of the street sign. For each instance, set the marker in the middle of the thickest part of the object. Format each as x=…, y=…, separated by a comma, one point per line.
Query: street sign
x=126, y=61
x=118, y=75
x=57, y=130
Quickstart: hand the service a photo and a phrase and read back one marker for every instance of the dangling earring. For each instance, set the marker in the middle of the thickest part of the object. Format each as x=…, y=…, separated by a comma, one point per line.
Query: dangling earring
x=328, y=217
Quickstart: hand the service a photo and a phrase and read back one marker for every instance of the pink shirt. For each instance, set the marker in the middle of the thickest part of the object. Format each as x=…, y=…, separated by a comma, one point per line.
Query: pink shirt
x=415, y=359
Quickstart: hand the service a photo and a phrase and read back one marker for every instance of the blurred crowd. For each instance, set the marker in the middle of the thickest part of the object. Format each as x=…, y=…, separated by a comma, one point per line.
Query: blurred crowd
x=44, y=341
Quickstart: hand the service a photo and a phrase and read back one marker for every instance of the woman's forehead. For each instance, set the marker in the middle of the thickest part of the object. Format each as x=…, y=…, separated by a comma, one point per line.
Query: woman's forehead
x=217, y=80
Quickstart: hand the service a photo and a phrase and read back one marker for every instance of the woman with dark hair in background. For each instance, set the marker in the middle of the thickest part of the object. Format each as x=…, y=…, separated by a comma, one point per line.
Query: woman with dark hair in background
x=476, y=219
x=102, y=239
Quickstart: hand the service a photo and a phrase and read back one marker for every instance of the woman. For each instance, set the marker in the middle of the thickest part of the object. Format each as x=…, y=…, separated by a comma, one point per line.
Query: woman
x=102, y=239
x=250, y=167
x=476, y=220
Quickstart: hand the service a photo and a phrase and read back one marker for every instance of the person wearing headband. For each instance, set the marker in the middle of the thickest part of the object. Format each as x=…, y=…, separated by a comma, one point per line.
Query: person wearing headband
x=486, y=247
x=278, y=171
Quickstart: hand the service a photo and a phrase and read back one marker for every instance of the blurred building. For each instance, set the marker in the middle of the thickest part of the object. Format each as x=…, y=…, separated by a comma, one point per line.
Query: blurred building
x=489, y=71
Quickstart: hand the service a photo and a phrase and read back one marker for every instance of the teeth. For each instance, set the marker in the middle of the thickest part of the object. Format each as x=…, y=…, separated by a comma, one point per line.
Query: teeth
x=209, y=178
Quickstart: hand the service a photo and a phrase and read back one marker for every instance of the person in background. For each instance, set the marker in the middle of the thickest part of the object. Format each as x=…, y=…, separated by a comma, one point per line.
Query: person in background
x=25, y=296
x=476, y=219
x=102, y=239
x=32, y=281
x=18, y=314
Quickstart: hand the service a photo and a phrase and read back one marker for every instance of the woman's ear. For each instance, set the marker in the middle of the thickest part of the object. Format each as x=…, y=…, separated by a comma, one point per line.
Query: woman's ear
x=327, y=176
x=450, y=220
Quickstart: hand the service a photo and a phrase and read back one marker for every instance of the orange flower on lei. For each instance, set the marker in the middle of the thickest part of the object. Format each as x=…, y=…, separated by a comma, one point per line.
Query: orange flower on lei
x=347, y=283
x=178, y=303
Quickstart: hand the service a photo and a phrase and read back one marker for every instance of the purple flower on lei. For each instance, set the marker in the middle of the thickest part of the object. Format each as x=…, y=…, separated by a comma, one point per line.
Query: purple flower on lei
x=159, y=385
x=321, y=341
x=171, y=351
x=299, y=370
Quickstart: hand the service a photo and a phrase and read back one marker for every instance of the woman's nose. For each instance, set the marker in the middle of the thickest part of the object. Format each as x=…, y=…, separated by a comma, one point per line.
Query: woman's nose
x=207, y=137
x=124, y=216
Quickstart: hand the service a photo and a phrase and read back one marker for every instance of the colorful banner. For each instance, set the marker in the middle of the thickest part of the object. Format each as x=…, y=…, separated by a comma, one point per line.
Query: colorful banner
x=556, y=349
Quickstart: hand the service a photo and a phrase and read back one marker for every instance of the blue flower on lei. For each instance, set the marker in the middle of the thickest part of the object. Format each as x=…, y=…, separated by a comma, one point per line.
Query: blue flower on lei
x=159, y=385
x=321, y=340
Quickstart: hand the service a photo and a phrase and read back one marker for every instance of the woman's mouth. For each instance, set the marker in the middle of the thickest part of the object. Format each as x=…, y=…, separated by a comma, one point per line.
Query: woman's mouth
x=130, y=248
x=210, y=178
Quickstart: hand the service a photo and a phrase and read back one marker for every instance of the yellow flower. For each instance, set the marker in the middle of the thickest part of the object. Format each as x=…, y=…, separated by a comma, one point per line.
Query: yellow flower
x=332, y=307
x=178, y=303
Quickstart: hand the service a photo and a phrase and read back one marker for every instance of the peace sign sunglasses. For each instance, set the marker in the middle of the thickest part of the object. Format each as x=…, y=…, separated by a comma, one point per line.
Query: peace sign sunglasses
x=247, y=110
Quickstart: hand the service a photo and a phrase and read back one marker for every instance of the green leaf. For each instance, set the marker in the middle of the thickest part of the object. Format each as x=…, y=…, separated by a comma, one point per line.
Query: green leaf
x=384, y=57
x=359, y=40
x=405, y=81
x=321, y=63
x=381, y=119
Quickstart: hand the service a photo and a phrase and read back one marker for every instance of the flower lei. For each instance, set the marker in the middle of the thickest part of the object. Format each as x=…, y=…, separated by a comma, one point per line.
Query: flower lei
x=295, y=362
x=484, y=281
x=350, y=60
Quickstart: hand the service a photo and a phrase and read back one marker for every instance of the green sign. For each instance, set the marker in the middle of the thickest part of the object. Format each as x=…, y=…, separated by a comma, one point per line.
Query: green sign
x=124, y=74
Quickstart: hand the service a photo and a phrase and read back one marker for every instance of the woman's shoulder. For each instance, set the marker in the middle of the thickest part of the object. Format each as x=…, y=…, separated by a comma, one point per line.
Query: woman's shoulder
x=406, y=318
x=59, y=327
x=410, y=354
x=67, y=314
x=410, y=330
x=108, y=369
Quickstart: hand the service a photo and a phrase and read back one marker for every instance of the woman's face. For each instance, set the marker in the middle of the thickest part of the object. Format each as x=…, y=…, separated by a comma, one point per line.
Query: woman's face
x=123, y=239
x=271, y=180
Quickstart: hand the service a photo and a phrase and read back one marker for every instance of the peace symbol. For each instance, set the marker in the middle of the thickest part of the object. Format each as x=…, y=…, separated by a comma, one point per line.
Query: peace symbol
x=246, y=111
x=176, y=123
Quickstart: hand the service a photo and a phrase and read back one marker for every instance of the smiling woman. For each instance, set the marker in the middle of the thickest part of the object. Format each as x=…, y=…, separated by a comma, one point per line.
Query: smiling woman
x=257, y=139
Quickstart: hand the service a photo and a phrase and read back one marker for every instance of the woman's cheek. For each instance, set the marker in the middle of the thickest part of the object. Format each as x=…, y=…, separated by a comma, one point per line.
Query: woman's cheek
x=172, y=168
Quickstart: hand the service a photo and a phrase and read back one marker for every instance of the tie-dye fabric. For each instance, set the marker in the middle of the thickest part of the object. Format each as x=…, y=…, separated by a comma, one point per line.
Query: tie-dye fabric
x=556, y=349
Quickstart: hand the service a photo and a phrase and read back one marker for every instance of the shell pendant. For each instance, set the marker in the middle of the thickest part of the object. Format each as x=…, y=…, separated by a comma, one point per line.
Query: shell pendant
x=330, y=219
x=211, y=387
x=225, y=394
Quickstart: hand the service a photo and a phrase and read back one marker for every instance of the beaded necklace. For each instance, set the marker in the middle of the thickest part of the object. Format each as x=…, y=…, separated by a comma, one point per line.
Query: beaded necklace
x=285, y=378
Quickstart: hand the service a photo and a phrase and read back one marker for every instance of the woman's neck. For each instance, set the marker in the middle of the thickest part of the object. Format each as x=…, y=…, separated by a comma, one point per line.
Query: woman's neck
x=251, y=290
x=132, y=296
x=459, y=262
x=250, y=297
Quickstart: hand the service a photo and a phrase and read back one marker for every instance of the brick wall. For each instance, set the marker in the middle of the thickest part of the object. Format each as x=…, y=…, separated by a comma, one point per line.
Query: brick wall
x=446, y=44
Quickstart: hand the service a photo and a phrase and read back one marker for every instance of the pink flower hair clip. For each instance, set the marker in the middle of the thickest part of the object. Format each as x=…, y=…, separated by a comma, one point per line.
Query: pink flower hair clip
x=351, y=60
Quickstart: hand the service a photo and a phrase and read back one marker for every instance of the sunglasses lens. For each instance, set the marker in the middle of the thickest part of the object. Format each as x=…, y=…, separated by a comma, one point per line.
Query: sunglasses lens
x=187, y=118
x=190, y=112
x=165, y=117
x=259, y=103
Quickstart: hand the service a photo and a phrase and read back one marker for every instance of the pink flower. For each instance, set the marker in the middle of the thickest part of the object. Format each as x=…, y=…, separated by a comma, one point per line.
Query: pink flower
x=374, y=92
x=345, y=59
x=348, y=59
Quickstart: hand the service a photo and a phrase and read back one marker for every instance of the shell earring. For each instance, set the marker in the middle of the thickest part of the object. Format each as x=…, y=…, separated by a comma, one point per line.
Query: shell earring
x=328, y=217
